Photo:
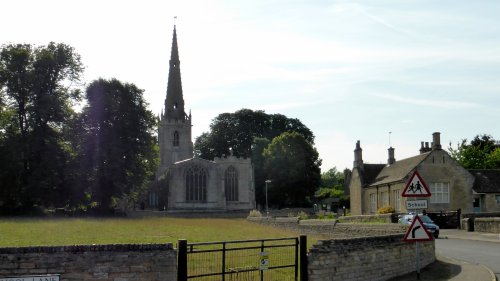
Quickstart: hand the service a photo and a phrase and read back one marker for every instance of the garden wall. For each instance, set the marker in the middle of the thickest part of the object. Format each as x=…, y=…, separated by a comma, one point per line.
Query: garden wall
x=387, y=218
x=369, y=258
x=491, y=225
x=147, y=262
x=332, y=228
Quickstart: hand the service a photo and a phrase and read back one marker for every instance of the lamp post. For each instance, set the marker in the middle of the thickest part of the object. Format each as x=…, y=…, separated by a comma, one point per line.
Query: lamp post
x=267, y=207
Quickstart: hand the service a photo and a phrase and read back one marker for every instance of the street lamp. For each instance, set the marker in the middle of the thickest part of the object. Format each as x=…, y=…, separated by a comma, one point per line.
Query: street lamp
x=267, y=207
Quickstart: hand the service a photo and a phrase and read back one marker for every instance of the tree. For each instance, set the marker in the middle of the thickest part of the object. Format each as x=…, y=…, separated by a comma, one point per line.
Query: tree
x=119, y=153
x=332, y=178
x=260, y=174
x=293, y=166
x=238, y=130
x=483, y=152
x=332, y=186
x=39, y=86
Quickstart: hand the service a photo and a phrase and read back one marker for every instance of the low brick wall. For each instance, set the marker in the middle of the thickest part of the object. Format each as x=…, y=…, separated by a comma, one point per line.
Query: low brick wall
x=372, y=258
x=332, y=228
x=149, y=262
x=491, y=225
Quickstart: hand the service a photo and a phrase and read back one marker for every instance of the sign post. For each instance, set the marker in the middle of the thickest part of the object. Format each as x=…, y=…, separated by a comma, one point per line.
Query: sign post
x=264, y=261
x=416, y=187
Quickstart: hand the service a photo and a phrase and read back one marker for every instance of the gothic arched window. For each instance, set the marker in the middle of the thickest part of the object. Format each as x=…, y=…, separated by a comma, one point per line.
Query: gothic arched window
x=196, y=184
x=231, y=184
x=176, y=138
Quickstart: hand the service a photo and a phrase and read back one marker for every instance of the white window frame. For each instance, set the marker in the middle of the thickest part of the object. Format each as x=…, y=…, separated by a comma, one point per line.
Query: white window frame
x=440, y=193
x=373, y=203
x=384, y=198
x=497, y=198
x=396, y=200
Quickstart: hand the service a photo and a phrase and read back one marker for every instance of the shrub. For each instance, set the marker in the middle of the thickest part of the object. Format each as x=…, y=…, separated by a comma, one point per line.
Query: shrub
x=302, y=215
x=386, y=210
x=254, y=214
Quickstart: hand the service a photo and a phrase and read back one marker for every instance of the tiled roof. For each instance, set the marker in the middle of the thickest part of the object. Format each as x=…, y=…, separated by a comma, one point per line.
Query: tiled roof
x=486, y=181
x=370, y=172
x=397, y=171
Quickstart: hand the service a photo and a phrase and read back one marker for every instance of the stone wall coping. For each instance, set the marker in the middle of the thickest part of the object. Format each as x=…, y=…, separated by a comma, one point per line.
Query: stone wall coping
x=365, y=239
x=488, y=219
x=482, y=214
x=88, y=248
x=287, y=219
x=367, y=216
x=318, y=222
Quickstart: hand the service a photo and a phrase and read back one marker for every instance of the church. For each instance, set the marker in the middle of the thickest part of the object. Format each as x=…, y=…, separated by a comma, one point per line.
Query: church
x=186, y=183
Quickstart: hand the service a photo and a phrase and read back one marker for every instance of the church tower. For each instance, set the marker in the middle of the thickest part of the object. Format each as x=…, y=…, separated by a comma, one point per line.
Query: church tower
x=174, y=132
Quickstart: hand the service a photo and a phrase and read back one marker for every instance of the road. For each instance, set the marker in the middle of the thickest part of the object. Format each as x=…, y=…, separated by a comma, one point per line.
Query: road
x=479, y=252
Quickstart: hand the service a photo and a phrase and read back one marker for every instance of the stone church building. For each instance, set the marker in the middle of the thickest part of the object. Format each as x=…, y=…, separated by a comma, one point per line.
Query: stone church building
x=186, y=183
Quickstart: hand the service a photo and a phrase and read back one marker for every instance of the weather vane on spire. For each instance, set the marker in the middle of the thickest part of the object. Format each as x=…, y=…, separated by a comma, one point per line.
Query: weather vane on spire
x=175, y=19
x=390, y=139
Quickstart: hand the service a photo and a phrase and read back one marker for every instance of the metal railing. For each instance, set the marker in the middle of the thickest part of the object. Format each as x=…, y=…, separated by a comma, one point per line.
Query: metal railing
x=274, y=259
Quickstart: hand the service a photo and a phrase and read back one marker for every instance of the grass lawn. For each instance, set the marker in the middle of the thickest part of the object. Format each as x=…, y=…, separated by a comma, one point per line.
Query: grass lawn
x=73, y=231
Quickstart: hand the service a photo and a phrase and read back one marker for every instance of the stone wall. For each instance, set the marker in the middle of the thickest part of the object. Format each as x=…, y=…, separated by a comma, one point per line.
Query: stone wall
x=491, y=225
x=387, y=218
x=149, y=262
x=372, y=258
x=332, y=228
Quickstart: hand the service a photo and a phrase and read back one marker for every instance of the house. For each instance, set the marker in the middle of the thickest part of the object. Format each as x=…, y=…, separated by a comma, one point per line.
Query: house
x=486, y=190
x=375, y=185
x=186, y=183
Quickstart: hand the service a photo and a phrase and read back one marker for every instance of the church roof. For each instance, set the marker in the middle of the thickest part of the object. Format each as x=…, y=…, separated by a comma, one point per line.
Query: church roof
x=397, y=171
x=486, y=181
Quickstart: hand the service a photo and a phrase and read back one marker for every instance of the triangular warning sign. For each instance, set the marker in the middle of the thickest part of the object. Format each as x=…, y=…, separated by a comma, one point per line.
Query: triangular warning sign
x=416, y=187
x=417, y=231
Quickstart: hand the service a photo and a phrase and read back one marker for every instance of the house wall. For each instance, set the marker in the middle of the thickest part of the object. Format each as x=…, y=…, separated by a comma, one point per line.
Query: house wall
x=440, y=167
x=149, y=262
x=388, y=189
x=490, y=202
x=356, y=192
x=374, y=258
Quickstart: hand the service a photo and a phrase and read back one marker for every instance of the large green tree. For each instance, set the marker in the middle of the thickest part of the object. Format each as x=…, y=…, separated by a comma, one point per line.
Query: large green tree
x=293, y=166
x=119, y=152
x=483, y=152
x=39, y=86
x=238, y=130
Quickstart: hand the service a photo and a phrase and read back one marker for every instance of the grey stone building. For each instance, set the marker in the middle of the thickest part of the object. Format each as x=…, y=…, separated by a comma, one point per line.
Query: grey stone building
x=184, y=182
x=452, y=187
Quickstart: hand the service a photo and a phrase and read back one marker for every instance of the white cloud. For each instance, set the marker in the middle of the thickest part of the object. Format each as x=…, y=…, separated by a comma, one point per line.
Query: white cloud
x=448, y=104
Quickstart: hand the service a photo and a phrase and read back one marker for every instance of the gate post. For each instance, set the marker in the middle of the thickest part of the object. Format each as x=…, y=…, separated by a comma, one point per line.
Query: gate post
x=303, y=258
x=182, y=260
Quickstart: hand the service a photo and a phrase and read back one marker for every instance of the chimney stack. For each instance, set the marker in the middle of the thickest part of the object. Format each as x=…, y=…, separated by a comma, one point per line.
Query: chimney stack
x=436, y=140
x=391, y=158
x=358, y=156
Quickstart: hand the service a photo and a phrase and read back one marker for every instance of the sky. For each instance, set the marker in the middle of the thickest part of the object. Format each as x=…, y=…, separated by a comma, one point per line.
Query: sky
x=386, y=73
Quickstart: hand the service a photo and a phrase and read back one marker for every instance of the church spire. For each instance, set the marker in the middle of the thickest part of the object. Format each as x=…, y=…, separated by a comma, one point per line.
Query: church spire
x=174, y=103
